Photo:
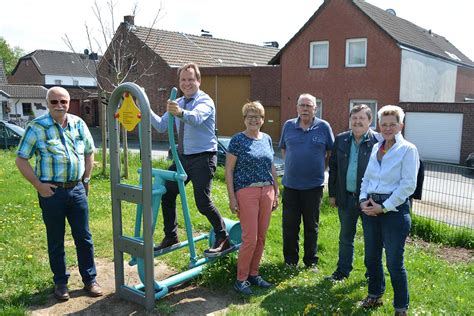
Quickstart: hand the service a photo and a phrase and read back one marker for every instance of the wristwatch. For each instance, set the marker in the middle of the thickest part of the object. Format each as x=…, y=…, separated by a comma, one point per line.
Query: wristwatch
x=384, y=210
x=86, y=180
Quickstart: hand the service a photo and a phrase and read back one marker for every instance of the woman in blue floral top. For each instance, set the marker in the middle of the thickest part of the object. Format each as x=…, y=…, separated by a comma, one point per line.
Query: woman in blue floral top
x=253, y=193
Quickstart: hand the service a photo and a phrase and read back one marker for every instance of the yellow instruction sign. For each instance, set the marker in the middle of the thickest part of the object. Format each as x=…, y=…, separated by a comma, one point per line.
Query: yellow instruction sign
x=128, y=114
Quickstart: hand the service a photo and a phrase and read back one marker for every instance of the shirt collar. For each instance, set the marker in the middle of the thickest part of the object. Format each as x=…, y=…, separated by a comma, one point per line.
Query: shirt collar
x=50, y=120
x=315, y=121
x=364, y=137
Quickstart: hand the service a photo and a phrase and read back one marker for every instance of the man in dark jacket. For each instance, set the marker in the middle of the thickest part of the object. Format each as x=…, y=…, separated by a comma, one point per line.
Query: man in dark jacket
x=347, y=165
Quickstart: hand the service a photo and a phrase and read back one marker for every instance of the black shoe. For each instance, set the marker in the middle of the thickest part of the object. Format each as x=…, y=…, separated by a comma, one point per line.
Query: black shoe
x=220, y=246
x=336, y=277
x=166, y=242
x=61, y=292
x=312, y=268
x=259, y=281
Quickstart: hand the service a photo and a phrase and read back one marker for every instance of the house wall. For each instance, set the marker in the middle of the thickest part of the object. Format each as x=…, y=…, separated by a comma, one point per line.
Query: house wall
x=69, y=81
x=464, y=84
x=467, y=109
x=158, y=81
x=337, y=84
x=16, y=108
x=26, y=73
x=232, y=87
x=426, y=79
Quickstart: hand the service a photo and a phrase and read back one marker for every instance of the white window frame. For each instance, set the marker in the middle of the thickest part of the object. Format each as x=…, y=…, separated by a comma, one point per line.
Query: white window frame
x=356, y=40
x=319, y=109
x=368, y=102
x=311, y=52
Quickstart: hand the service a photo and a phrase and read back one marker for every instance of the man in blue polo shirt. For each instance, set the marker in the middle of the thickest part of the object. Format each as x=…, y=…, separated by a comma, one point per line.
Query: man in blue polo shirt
x=306, y=144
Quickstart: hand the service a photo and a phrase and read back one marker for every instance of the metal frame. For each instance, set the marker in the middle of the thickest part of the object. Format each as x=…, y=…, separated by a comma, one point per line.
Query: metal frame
x=147, y=195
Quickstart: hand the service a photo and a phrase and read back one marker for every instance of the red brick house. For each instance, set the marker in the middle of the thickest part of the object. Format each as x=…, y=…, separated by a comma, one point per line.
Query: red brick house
x=232, y=72
x=351, y=52
x=74, y=72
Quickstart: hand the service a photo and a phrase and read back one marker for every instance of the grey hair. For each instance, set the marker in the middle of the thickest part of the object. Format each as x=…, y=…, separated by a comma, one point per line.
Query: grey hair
x=392, y=110
x=50, y=90
x=307, y=96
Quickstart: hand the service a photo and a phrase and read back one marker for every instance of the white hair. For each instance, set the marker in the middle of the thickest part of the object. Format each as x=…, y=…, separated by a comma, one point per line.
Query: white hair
x=392, y=110
x=307, y=96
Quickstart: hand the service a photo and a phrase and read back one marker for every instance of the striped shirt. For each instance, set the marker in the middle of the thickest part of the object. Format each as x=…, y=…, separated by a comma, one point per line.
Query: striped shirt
x=59, y=151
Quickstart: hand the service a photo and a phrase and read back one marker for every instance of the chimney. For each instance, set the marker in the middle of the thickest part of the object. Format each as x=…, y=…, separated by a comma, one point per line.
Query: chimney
x=129, y=19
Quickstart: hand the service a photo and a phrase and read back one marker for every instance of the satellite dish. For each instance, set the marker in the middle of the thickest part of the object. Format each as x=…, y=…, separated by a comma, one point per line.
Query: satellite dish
x=86, y=52
x=391, y=11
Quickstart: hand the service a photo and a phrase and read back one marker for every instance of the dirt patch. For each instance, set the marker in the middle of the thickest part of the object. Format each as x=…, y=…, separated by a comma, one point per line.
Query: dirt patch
x=183, y=300
x=450, y=254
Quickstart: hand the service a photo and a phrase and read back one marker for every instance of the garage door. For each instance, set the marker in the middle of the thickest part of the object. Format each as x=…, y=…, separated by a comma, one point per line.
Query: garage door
x=436, y=135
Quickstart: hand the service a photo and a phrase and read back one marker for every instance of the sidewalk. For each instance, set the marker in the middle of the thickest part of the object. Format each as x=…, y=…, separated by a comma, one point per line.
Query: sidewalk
x=159, y=148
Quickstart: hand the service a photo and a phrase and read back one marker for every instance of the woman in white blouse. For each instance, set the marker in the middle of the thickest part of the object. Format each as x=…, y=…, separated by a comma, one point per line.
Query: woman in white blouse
x=390, y=178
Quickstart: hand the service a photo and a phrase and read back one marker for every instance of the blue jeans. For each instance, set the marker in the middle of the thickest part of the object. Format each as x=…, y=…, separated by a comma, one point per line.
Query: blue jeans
x=348, y=217
x=388, y=230
x=70, y=204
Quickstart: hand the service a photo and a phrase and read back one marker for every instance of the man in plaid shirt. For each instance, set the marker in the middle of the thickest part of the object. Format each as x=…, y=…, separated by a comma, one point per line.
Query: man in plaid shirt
x=64, y=151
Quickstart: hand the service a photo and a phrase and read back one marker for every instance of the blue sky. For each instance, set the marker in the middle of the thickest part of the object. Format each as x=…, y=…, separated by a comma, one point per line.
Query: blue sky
x=43, y=24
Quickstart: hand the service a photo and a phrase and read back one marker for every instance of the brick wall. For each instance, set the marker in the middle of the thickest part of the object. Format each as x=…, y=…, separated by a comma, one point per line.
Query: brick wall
x=464, y=84
x=337, y=85
x=467, y=141
x=26, y=73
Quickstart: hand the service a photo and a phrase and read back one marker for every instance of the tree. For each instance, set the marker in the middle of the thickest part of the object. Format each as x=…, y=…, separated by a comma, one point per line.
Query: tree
x=9, y=55
x=121, y=59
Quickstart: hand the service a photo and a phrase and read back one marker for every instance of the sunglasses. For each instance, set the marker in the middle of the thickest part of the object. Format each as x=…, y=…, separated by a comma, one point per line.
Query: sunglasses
x=59, y=101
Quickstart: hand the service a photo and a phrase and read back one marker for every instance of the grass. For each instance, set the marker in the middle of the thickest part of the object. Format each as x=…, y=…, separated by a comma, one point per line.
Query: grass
x=436, y=286
x=433, y=231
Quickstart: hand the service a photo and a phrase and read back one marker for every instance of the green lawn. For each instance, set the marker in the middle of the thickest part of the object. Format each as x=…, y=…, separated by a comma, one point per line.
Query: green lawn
x=436, y=286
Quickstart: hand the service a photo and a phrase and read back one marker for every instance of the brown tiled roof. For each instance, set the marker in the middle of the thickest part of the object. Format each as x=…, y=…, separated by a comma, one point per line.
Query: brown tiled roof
x=179, y=48
x=3, y=78
x=408, y=34
x=402, y=31
x=24, y=91
x=50, y=62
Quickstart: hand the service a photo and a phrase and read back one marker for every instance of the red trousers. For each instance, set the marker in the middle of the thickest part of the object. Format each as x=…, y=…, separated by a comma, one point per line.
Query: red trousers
x=255, y=210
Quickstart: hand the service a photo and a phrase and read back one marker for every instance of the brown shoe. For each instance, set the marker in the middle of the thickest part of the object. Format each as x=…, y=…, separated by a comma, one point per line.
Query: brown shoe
x=166, y=242
x=220, y=246
x=371, y=302
x=93, y=289
x=61, y=292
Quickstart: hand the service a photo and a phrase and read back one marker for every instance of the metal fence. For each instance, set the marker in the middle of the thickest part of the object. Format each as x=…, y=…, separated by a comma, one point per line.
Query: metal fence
x=447, y=196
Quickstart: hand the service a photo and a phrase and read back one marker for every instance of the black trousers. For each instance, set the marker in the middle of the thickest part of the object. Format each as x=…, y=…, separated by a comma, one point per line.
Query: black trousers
x=200, y=169
x=299, y=204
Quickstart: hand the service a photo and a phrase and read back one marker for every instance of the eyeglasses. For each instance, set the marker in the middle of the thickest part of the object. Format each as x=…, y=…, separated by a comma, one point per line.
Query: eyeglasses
x=253, y=117
x=306, y=105
x=59, y=101
x=391, y=125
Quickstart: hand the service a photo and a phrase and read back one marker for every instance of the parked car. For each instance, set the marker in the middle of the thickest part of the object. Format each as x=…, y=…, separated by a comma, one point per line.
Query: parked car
x=470, y=161
x=223, y=144
x=10, y=135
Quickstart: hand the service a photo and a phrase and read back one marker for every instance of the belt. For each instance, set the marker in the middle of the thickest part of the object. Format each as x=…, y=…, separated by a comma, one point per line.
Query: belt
x=353, y=194
x=379, y=197
x=65, y=185
x=260, y=184
x=200, y=154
